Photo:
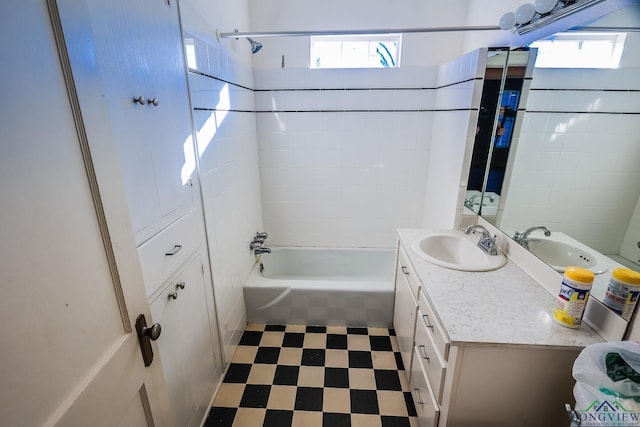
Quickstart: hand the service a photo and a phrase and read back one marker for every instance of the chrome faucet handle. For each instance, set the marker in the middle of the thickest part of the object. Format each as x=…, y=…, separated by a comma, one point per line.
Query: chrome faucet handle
x=489, y=245
x=262, y=235
x=487, y=242
x=255, y=245
x=472, y=229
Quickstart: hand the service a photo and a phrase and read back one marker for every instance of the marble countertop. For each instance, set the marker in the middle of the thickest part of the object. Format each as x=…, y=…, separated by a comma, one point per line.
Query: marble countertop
x=503, y=306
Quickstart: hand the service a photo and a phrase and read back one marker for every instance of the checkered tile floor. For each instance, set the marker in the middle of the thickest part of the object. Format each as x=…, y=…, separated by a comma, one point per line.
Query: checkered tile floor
x=314, y=376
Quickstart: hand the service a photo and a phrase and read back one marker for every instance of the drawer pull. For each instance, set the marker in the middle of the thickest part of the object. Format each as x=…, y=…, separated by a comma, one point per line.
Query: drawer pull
x=419, y=399
x=173, y=295
x=180, y=285
x=427, y=323
x=405, y=270
x=423, y=350
x=175, y=250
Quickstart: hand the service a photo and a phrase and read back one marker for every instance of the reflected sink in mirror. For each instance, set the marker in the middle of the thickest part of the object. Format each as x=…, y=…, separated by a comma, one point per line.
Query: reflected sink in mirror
x=559, y=251
x=455, y=250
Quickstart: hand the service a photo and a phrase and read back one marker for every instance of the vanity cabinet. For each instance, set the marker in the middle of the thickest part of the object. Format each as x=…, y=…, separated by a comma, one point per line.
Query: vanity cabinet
x=470, y=373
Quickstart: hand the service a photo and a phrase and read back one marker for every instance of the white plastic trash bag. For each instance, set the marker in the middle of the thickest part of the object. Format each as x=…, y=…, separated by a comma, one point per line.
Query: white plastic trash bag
x=607, y=389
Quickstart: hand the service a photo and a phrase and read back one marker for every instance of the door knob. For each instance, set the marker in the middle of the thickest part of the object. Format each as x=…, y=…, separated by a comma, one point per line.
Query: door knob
x=140, y=100
x=146, y=334
x=154, y=101
x=153, y=332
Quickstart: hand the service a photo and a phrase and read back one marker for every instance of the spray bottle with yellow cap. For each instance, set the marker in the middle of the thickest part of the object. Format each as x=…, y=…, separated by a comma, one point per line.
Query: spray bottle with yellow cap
x=623, y=291
x=573, y=296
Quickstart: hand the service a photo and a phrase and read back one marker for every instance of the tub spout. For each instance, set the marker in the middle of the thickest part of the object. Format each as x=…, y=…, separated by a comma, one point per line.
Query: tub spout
x=262, y=250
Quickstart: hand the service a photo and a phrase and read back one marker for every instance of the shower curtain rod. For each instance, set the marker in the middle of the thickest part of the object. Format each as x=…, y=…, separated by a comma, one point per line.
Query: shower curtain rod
x=221, y=35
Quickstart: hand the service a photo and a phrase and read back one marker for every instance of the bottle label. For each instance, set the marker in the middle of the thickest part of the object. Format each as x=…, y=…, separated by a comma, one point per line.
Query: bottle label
x=571, y=302
x=621, y=298
x=630, y=302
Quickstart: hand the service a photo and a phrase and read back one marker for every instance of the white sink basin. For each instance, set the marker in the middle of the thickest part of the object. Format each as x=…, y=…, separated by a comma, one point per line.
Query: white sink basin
x=559, y=255
x=455, y=250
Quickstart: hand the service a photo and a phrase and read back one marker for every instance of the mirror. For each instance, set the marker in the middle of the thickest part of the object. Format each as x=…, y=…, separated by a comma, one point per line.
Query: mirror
x=574, y=154
x=503, y=91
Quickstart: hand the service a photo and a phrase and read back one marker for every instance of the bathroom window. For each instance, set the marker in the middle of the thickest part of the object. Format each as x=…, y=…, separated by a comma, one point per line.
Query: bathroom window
x=580, y=50
x=356, y=51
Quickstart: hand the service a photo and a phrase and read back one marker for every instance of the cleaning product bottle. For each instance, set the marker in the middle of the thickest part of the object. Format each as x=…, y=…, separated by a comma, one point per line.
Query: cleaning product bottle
x=573, y=296
x=623, y=291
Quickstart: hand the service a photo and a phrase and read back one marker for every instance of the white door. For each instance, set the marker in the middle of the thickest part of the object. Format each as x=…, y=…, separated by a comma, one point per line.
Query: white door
x=71, y=285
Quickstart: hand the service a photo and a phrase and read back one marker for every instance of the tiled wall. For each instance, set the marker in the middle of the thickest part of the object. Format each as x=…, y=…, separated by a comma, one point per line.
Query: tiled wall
x=343, y=167
x=224, y=118
x=456, y=107
x=576, y=165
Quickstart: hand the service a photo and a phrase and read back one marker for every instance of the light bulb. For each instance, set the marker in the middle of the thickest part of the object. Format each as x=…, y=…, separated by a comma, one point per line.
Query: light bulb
x=525, y=13
x=507, y=21
x=544, y=6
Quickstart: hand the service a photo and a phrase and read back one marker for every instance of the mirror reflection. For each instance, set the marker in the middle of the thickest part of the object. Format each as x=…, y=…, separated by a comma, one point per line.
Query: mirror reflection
x=573, y=159
x=502, y=92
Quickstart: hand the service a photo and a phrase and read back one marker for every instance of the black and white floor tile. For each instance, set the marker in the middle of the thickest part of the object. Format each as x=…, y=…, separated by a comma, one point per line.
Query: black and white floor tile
x=290, y=375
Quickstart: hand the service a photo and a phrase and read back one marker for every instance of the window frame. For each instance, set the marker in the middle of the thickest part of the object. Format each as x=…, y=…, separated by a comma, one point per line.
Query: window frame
x=370, y=38
x=618, y=39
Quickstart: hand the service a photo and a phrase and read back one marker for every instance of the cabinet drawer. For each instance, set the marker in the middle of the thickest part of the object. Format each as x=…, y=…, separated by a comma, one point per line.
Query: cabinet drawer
x=431, y=322
x=164, y=253
x=407, y=271
x=423, y=398
x=431, y=359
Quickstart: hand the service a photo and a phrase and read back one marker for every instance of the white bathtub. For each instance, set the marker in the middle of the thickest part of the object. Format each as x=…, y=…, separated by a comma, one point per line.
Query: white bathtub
x=322, y=286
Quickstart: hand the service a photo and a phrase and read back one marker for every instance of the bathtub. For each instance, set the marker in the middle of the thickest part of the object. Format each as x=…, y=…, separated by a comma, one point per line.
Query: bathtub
x=322, y=286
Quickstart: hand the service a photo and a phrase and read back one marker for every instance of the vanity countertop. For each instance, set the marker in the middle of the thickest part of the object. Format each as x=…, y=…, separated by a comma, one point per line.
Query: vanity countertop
x=503, y=306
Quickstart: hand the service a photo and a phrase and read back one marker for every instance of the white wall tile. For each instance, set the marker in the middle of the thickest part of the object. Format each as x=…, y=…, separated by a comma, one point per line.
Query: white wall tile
x=345, y=176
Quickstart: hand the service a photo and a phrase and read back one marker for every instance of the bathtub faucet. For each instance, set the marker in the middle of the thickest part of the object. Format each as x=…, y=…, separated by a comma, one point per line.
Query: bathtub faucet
x=260, y=236
x=262, y=250
x=258, y=241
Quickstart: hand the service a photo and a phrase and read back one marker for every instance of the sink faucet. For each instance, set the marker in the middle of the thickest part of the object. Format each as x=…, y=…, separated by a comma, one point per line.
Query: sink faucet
x=523, y=238
x=487, y=243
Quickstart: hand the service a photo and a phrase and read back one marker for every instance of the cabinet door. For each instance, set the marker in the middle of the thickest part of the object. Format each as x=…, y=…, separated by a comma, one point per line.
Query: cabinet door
x=188, y=360
x=138, y=50
x=404, y=319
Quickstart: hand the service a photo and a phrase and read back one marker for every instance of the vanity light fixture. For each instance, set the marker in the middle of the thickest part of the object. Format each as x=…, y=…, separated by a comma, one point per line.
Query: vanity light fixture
x=531, y=16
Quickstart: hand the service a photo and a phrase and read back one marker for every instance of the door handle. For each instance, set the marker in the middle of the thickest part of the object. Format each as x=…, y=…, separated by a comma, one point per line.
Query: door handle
x=146, y=334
